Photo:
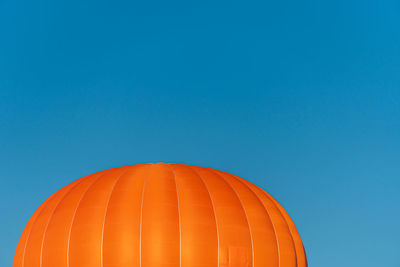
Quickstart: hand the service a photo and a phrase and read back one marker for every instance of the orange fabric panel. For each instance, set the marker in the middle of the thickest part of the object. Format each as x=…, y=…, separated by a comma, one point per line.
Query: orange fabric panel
x=55, y=240
x=300, y=253
x=199, y=236
x=265, y=245
x=121, y=241
x=160, y=219
x=21, y=247
x=287, y=251
x=232, y=224
x=85, y=241
x=33, y=249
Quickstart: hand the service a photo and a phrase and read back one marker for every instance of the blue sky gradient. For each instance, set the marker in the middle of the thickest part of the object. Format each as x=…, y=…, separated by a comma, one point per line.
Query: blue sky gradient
x=299, y=97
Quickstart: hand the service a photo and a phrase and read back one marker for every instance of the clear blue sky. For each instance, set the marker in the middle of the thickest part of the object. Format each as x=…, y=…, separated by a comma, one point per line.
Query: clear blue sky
x=300, y=97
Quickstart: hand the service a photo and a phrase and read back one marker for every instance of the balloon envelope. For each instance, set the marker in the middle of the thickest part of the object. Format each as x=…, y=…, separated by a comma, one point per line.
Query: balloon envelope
x=154, y=215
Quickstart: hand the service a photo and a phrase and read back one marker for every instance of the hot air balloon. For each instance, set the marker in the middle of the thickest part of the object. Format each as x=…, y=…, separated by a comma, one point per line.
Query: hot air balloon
x=160, y=215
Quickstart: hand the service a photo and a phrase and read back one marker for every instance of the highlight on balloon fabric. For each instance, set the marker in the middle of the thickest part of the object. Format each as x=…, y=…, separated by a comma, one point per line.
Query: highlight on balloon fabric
x=155, y=215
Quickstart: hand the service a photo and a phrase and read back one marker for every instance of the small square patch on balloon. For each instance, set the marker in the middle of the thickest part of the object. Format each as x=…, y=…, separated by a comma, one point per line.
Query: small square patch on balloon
x=239, y=257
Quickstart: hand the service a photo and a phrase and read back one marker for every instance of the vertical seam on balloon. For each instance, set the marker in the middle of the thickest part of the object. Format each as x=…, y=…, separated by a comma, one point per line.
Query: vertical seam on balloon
x=244, y=210
x=179, y=217
x=105, y=213
x=30, y=229
x=284, y=219
x=213, y=208
x=305, y=256
x=76, y=209
x=286, y=222
x=141, y=216
x=51, y=216
x=266, y=210
x=298, y=247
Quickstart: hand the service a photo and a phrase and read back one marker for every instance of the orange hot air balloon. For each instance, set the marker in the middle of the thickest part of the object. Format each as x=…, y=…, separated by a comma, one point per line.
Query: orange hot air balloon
x=160, y=215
